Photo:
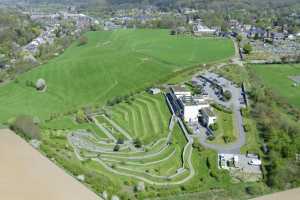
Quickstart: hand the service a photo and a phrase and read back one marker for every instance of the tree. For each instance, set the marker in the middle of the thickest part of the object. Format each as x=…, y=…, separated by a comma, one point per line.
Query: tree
x=227, y=95
x=83, y=40
x=239, y=38
x=247, y=48
x=137, y=143
x=213, y=127
x=120, y=139
x=80, y=116
x=40, y=84
x=117, y=147
x=25, y=126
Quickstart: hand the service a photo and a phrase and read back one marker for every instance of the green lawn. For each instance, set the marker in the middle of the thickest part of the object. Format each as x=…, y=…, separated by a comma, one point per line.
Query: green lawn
x=225, y=127
x=147, y=117
x=110, y=64
x=276, y=77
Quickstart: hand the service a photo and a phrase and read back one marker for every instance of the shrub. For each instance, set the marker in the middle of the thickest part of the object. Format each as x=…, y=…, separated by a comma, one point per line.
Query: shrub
x=254, y=190
x=222, y=108
x=197, y=146
x=120, y=139
x=247, y=48
x=228, y=139
x=137, y=143
x=117, y=147
x=247, y=127
x=25, y=126
x=214, y=127
x=80, y=116
x=227, y=95
x=83, y=40
x=244, y=112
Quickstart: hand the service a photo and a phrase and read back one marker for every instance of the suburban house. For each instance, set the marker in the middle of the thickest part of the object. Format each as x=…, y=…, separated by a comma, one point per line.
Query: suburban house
x=200, y=29
x=257, y=32
x=207, y=116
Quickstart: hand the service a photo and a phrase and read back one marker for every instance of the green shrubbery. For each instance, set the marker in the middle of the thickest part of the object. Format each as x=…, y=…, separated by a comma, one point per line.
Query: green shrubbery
x=227, y=95
x=214, y=127
x=25, y=126
x=279, y=130
x=228, y=139
x=221, y=108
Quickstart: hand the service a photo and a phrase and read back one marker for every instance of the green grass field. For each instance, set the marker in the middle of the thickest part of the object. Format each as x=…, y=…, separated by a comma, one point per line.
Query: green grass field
x=225, y=127
x=277, y=78
x=110, y=64
x=147, y=117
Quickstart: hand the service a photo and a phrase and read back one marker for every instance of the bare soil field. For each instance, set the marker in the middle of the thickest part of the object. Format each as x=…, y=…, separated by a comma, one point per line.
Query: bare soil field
x=28, y=175
x=286, y=195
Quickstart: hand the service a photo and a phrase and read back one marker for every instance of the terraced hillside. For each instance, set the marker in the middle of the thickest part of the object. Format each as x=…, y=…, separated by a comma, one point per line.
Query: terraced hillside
x=110, y=64
x=146, y=117
x=162, y=158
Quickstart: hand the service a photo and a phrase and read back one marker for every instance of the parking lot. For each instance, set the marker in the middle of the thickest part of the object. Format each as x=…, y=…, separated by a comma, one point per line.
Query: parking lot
x=211, y=84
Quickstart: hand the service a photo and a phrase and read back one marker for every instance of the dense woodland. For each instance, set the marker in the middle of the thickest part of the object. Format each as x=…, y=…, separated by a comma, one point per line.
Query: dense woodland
x=15, y=29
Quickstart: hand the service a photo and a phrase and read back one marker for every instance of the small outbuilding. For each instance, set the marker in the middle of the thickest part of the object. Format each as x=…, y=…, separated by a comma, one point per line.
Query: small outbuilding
x=154, y=91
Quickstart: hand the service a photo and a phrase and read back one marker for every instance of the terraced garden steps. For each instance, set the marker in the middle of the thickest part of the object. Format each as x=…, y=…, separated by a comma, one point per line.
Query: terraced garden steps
x=165, y=155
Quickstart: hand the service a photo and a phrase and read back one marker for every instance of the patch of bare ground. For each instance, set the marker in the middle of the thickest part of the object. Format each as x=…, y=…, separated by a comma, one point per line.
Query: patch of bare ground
x=28, y=175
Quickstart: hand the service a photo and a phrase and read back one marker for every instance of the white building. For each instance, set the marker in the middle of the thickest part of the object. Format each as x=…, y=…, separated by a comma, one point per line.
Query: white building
x=181, y=91
x=208, y=117
x=154, y=91
x=192, y=106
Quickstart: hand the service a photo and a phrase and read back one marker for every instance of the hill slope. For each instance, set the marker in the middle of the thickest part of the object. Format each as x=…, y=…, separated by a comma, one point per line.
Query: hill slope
x=111, y=64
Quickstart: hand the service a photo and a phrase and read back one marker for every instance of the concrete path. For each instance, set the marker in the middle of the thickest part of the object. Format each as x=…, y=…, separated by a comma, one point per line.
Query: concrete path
x=104, y=130
x=121, y=130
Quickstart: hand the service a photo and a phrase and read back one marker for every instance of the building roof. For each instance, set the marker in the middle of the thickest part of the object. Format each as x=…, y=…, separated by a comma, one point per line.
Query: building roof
x=208, y=112
x=179, y=88
x=192, y=101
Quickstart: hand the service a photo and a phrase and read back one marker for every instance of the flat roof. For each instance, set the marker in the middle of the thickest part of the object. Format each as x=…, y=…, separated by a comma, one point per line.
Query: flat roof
x=179, y=88
x=209, y=112
x=27, y=174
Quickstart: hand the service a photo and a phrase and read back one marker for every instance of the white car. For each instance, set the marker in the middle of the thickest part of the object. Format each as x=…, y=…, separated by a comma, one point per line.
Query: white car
x=255, y=162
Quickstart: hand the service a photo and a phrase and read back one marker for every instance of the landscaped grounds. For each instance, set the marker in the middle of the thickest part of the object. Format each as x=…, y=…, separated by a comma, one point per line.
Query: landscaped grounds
x=279, y=78
x=162, y=163
x=154, y=151
x=110, y=64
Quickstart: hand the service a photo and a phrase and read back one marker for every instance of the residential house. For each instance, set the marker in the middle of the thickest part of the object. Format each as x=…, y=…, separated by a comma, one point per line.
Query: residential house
x=256, y=32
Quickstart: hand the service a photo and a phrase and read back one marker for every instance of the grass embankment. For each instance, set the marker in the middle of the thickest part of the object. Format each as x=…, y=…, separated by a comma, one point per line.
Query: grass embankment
x=110, y=64
x=226, y=128
x=146, y=117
